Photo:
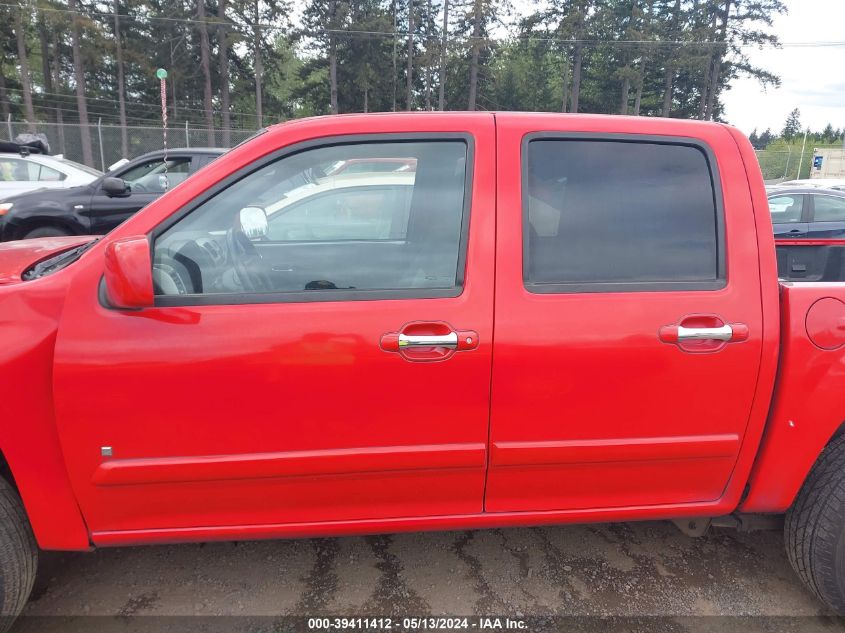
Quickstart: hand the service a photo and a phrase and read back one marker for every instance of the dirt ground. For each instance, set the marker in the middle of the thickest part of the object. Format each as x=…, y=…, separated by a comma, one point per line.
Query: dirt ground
x=635, y=570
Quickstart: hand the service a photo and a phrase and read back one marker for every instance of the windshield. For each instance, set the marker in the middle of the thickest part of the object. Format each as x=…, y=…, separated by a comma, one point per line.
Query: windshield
x=80, y=166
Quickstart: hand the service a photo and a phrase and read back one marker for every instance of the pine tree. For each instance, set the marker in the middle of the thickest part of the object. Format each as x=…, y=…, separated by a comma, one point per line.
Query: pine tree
x=322, y=21
x=828, y=135
x=121, y=81
x=792, y=127
x=223, y=63
x=21, y=28
x=205, y=65
x=79, y=77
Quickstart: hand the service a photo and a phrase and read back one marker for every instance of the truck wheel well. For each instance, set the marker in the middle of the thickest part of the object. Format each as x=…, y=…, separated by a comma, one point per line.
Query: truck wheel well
x=6, y=472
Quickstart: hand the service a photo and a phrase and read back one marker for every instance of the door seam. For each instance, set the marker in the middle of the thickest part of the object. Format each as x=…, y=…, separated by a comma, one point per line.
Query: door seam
x=493, y=308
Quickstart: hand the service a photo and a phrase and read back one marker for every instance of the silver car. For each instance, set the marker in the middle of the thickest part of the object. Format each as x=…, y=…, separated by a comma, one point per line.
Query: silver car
x=20, y=173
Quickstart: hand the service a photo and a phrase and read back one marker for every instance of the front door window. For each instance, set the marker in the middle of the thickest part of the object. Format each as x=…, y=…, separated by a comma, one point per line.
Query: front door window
x=358, y=218
x=157, y=176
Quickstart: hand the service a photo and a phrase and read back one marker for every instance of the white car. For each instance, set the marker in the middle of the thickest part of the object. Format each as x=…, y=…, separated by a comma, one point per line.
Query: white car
x=819, y=183
x=20, y=173
x=372, y=205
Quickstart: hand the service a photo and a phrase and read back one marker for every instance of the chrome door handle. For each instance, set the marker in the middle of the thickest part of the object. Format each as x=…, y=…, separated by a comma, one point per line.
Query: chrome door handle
x=723, y=333
x=449, y=340
x=422, y=341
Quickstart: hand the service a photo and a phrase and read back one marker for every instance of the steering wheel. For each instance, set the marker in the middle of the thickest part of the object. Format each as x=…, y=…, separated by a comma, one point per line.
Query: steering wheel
x=167, y=279
x=248, y=263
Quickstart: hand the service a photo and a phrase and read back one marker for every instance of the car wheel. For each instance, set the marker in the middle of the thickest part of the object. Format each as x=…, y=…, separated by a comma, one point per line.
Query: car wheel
x=46, y=231
x=815, y=528
x=18, y=556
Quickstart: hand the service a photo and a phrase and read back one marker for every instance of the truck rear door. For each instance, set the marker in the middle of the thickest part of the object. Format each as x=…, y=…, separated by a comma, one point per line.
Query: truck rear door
x=628, y=323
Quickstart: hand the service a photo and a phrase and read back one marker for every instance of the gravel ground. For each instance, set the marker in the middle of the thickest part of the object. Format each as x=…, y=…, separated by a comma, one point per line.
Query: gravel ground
x=633, y=570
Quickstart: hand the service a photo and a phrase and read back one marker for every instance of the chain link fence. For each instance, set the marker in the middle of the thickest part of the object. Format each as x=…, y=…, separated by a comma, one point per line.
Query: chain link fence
x=789, y=162
x=777, y=164
x=107, y=141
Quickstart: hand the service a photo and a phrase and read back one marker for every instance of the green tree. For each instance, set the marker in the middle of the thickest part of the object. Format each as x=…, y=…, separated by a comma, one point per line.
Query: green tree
x=238, y=63
x=766, y=137
x=323, y=20
x=475, y=51
x=828, y=134
x=792, y=126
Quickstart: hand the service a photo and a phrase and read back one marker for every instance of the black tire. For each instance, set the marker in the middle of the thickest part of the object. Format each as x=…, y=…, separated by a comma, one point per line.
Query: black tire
x=815, y=528
x=18, y=556
x=46, y=231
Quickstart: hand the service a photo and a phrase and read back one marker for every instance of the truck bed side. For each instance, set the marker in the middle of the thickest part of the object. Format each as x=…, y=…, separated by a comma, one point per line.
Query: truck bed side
x=809, y=402
x=811, y=260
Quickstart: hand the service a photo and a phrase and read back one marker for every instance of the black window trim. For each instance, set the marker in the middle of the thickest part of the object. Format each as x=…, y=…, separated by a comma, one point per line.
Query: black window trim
x=322, y=296
x=808, y=210
x=721, y=280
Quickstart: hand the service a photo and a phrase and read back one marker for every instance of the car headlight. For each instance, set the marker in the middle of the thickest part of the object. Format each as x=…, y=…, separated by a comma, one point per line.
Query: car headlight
x=4, y=208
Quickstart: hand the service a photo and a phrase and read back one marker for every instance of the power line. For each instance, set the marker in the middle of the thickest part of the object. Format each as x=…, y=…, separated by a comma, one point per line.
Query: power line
x=91, y=112
x=72, y=109
x=93, y=108
x=115, y=121
x=216, y=23
x=111, y=14
x=129, y=103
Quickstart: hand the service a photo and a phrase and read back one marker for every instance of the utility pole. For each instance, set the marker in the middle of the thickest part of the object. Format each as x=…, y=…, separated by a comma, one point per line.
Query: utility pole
x=441, y=100
x=801, y=159
x=393, y=6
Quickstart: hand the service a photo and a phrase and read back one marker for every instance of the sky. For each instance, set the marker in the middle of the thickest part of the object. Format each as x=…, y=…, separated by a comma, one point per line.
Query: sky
x=812, y=78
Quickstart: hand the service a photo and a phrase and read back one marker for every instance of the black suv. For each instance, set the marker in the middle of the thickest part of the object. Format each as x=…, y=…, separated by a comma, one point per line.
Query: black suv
x=98, y=207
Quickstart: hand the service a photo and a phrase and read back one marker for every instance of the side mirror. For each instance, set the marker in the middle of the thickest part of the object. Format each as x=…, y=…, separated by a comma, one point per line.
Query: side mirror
x=252, y=222
x=115, y=186
x=129, y=273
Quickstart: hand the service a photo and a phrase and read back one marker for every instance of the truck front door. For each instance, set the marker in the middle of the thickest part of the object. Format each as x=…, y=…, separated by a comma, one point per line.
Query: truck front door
x=333, y=368
x=628, y=327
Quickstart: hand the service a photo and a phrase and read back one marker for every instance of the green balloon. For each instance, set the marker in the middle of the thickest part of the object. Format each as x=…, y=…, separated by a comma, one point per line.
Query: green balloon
x=161, y=73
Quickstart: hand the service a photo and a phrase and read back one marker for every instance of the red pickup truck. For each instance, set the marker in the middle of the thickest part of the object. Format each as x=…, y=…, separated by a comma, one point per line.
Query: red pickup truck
x=550, y=319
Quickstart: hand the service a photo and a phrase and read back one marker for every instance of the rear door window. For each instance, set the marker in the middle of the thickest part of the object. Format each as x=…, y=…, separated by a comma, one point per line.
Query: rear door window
x=619, y=214
x=202, y=160
x=828, y=209
x=16, y=170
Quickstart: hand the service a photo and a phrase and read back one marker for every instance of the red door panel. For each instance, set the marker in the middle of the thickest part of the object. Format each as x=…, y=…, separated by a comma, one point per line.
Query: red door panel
x=227, y=415
x=595, y=404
